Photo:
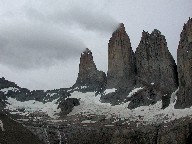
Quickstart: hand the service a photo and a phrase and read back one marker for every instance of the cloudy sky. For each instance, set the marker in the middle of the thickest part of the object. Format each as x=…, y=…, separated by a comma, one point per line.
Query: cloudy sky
x=41, y=41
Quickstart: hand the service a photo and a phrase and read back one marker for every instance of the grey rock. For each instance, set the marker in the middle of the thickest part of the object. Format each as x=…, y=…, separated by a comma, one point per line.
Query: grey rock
x=154, y=65
x=184, y=61
x=5, y=83
x=15, y=133
x=67, y=105
x=165, y=100
x=117, y=97
x=150, y=94
x=88, y=74
x=154, y=62
x=121, y=63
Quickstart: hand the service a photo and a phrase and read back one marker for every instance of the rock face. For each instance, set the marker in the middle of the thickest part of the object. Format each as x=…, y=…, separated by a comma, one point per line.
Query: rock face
x=121, y=66
x=16, y=133
x=156, y=70
x=5, y=83
x=150, y=94
x=175, y=132
x=184, y=60
x=154, y=62
x=88, y=74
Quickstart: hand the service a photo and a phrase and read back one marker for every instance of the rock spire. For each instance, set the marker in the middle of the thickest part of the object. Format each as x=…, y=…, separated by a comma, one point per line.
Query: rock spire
x=184, y=61
x=121, y=69
x=154, y=62
x=88, y=74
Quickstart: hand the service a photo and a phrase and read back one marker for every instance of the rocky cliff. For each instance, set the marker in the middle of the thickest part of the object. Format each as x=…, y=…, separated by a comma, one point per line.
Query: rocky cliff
x=154, y=62
x=88, y=76
x=184, y=62
x=156, y=70
x=121, y=68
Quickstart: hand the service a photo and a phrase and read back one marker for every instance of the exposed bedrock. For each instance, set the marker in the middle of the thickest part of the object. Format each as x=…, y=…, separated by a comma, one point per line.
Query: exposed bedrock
x=88, y=75
x=154, y=66
x=184, y=62
x=121, y=63
x=154, y=62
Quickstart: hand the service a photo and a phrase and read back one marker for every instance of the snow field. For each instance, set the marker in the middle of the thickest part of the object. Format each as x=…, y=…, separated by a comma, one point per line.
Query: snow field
x=90, y=104
x=31, y=106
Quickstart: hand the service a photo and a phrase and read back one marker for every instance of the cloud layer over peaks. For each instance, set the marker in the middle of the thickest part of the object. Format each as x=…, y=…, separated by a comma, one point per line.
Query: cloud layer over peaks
x=32, y=35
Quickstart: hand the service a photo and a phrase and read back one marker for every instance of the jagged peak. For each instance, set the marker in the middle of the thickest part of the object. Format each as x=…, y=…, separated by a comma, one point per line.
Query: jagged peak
x=155, y=35
x=145, y=34
x=155, y=32
x=189, y=21
x=87, y=51
x=121, y=26
x=186, y=34
x=120, y=29
x=188, y=26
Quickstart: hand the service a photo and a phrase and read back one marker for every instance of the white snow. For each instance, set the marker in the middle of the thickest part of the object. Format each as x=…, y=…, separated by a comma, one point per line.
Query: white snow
x=90, y=104
x=82, y=87
x=5, y=90
x=31, y=106
x=174, y=97
x=51, y=94
x=134, y=91
x=88, y=121
x=1, y=125
x=107, y=91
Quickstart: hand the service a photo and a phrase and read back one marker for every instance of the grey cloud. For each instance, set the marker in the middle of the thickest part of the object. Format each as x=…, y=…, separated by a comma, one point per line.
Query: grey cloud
x=42, y=36
x=27, y=45
x=87, y=19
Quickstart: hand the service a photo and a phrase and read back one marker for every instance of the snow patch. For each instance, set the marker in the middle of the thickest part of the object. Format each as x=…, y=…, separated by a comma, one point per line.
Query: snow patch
x=51, y=94
x=83, y=87
x=31, y=106
x=5, y=90
x=107, y=91
x=88, y=121
x=91, y=105
x=134, y=91
x=173, y=97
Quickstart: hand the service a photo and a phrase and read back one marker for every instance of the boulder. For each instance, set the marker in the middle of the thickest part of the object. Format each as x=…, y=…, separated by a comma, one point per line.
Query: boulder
x=67, y=105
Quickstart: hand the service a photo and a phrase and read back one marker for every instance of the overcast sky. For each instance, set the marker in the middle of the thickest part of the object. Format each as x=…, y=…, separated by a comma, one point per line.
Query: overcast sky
x=41, y=41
